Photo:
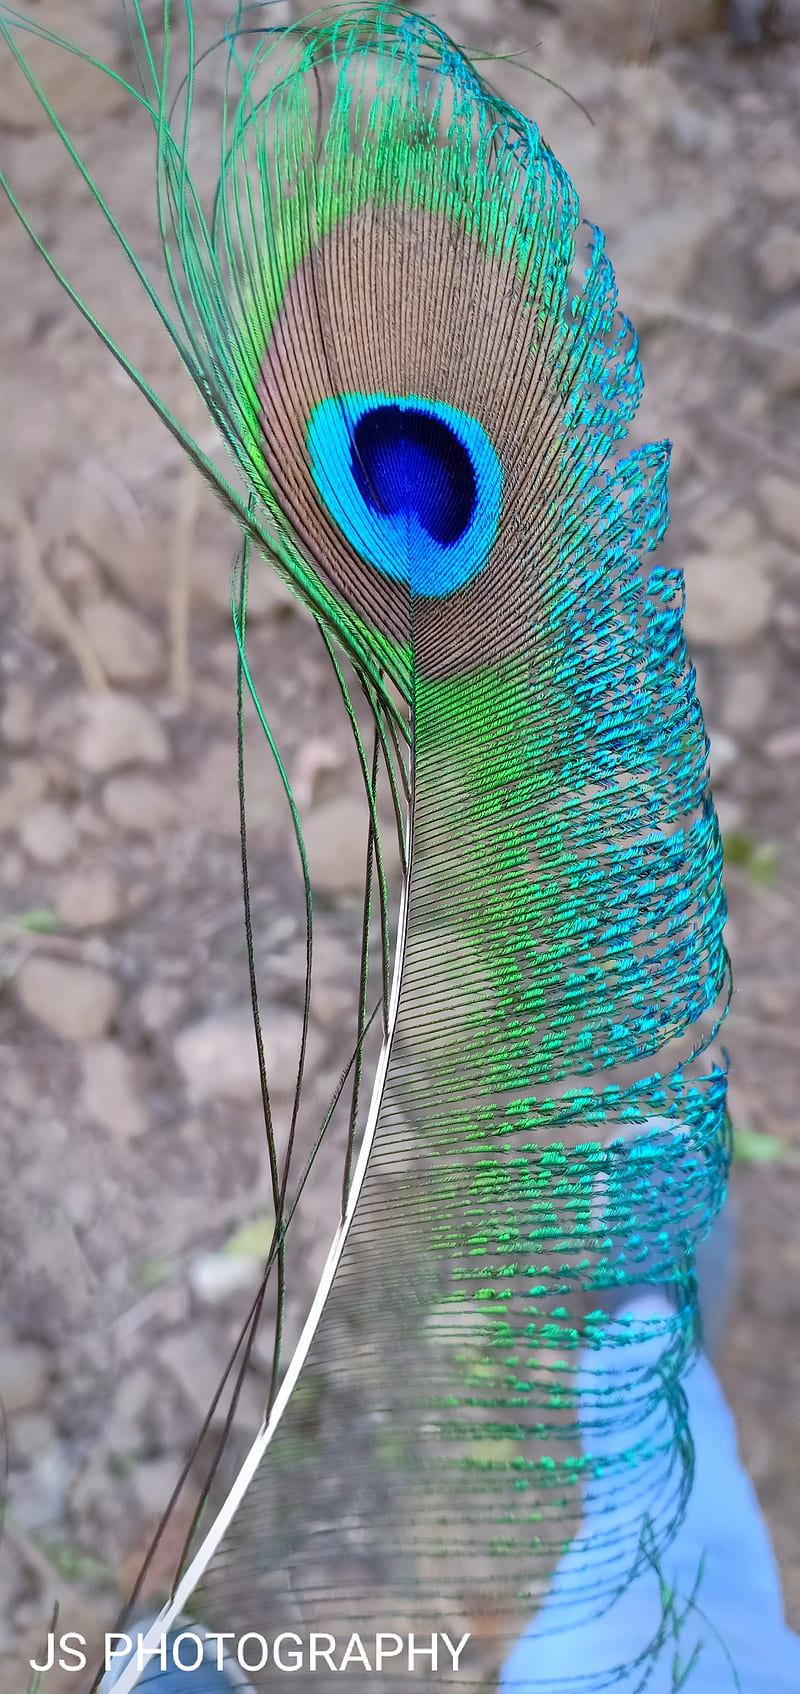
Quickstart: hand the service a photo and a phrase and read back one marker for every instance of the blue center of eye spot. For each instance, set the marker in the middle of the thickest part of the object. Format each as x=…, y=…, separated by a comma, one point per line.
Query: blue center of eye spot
x=415, y=486
x=408, y=461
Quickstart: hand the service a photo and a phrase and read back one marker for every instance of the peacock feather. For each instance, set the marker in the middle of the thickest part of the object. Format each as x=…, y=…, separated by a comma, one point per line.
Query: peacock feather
x=412, y=348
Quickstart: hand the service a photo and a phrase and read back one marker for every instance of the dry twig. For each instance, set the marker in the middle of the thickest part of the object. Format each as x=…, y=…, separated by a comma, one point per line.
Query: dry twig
x=49, y=603
x=180, y=584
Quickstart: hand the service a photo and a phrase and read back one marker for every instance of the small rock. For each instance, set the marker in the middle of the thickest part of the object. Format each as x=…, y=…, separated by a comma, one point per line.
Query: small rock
x=733, y=530
x=778, y=261
x=25, y=1371
x=724, y=754
x=695, y=132
x=19, y=716
x=191, y=1362
x=33, y=1433
x=728, y=597
x=631, y=28
x=159, y=1005
x=659, y=251
x=128, y=649
x=730, y=816
x=75, y=1001
x=316, y=759
x=212, y=798
x=90, y=899
x=140, y=804
x=215, y=1277
x=780, y=181
x=26, y=784
x=336, y=842
x=784, y=334
x=331, y=1003
x=753, y=407
x=780, y=500
x=218, y=1058
x=72, y=82
x=119, y=731
x=746, y=698
x=127, y=1417
x=46, y=1482
x=109, y=1091
x=48, y=834
x=153, y=1481
x=785, y=744
x=75, y=569
x=267, y=595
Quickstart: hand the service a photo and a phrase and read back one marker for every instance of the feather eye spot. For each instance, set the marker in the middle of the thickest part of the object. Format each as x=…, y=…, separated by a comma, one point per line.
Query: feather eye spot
x=405, y=460
x=414, y=485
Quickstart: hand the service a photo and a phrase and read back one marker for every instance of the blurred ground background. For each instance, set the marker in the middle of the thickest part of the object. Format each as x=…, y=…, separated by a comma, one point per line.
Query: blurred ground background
x=132, y=1153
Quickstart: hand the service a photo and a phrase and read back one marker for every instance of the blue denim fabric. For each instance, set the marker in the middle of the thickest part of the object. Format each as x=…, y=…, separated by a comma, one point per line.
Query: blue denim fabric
x=735, y=1625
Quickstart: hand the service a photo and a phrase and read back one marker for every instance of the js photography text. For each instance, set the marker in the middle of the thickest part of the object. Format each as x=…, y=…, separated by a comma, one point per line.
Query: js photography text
x=287, y=1651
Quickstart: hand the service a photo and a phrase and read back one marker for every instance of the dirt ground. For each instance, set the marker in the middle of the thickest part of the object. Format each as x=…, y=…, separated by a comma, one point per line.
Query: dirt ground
x=134, y=1202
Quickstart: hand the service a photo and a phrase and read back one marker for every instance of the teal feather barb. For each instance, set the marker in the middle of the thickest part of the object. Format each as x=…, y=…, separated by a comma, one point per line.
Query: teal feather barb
x=427, y=390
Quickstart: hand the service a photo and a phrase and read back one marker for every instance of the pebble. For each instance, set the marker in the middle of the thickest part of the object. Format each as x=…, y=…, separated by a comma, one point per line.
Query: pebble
x=25, y=785
x=109, y=1091
x=137, y=561
x=42, y=1500
x=331, y=1002
x=730, y=816
x=783, y=331
x=659, y=251
x=732, y=530
x=697, y=133
x=336, y=842
x=118, y=731
x=267, y=595
x=153, y=1481
x=215, y=1277
x=745, y=699
x=18, y=719
x=218, y=1060
x=728, y=597
x=13, y=870
x=139, y=804
x=780, y=180
x=159, y=1005
x=90, y=899
x=778, y=261
x=128, y=649
x=212, y=798
x=780, y=500
x=33, y=1433
x=724, y=754
x=48, y=834
x=619, y=28
x=317, y=758
x=134, y=1397
x=25, y=1371
x=74, y=1001
x=785, y=744
x=195, y=1365
x=72, y=83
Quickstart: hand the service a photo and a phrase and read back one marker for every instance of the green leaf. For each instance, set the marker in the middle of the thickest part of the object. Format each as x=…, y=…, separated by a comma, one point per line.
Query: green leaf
x=751, y=1148
x=253, y=1240
x=75, y=1565
x=39, y=921
x=151, y=1272
x=760, y=860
